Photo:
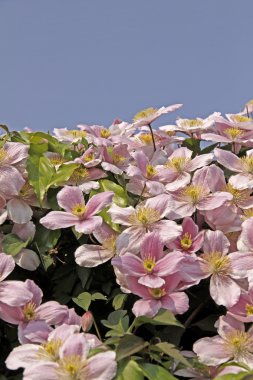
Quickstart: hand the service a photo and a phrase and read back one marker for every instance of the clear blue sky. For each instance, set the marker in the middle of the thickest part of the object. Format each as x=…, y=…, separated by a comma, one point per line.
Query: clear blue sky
x=64, y=62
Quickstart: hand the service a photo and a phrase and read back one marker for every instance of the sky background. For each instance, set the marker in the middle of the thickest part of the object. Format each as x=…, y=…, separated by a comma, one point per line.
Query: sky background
x=64, y=62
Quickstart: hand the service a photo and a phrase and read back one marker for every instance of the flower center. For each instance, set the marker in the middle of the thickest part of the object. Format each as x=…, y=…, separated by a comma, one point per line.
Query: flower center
x=192, y=123
x=248, y=213
x=145, y=138
x=217, y=263
x=79, y=175
x=110, y=243
x=157, y=292
x=238, y=195
x=26, y=190
x=145, y=216
x=195, y=193
x=177, y=163
x=249, y=309
x=241, y=119
x=3, y=155
x=79, y=209
x=105, y=133
x=241, y=344
x=149, y=263
x=50, y=350
x=77, y=134
x=232, y=133
x=186, y=241
x=117, y=158
x=73, y=366
x=29, y=311
x=89, y=157
x=150, y=171
x=147, y=112
x=248, y=163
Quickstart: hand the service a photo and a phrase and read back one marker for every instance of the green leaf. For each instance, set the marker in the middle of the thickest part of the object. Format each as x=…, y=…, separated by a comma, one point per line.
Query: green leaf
x=164, y=317
x=98, y=296
x=62, y=174
x=83, y=300
x=238, y=376
x=40, y=173
x=129, y=345
x=118, y=322
x=83, y=274
x=129, y=370
x=209, y=148
x=192, y=144
x=118, y=301
x=155, y=372
x=46, y=239
x=170, y=350
x=12, y=244
x=120, y=194
x=4, y=127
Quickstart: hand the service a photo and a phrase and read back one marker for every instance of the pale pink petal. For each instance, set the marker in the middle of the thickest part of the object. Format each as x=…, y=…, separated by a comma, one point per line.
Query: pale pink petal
x=242, y=263
x=199, y=161
x=35, y=290
x=182, y=180
x=141, y=160
x=24, y=231
x=224, y=290
x=88, y=226
x=19, y=211
x=229, y=160
x=102, y=366
x=16, y=152
x=46, y=371
x=7, y=264
x=214, y=201
x=52, y=312
x=121, y=215
x=152, y=245
x=86, y=187
x=98, y=202
x=104, y=232
x=181, y=152
x=23, y=356
x=33, y=332
x=75, y=344
x=58, y=219
x=209, y=177
x=63, y=331
x=242, y=181
x=11, y=314
x=130, y=239
x=70, y=196
x=155, y=188
x=151, y=281
x=245, y=241
x=168, y=230
x=89, y=256
x=147, y=307
x=190, y=227
x=14, y=293
x=215, y=241
x=212, y=351
x=129, y=264
x=161, y=203
x=11, y=181
x=177, y=303
x=27, y=259
x=215, y=138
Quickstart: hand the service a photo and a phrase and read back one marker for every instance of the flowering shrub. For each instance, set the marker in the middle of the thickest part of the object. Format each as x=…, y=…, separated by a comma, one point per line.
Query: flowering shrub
x=127, y=252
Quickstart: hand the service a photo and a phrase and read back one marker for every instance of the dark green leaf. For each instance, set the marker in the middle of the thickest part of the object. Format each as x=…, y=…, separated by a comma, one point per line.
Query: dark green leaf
x=170, y=350
x=83, y=300
x=12, y=244
x=164, y=317
x=129, y=345
x=155, y=372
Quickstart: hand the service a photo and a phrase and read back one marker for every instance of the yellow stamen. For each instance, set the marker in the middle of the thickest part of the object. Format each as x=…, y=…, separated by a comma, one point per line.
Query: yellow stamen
x=105, y=133
x=145, y=216
x=77, y=134
x=146, y=138
x=56, y=159
x=186, y=241
x=157, y=292
x=233, y=133
x=238, y=195
x=241, y=119
x=79, y=209
x=177, y=163
x=150, y=171
x=29, y=311
x=147, y=112
x=149, y=263
x=73, y=366
x=241, y=344
x=117, y=158
x=217, y=263
x=3, y=154
x=249, y=309
x=110, y=243
x=192, y=123
x=80, y=174
x=26, y=190
x=248, y=213
x=50, y=350
x=247, y=162
x=195, y=193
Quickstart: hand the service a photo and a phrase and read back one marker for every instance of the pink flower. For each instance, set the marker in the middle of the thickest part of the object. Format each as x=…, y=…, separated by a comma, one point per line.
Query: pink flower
x=147, y=116
x=77, y=213
x=148, y=216
x=243, y=309
x=153, y=299
x=91, y=255
x=232, y=343
x=190, y=240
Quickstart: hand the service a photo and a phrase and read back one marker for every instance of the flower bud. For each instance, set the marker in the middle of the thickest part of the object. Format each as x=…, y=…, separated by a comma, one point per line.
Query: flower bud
x=87, y=321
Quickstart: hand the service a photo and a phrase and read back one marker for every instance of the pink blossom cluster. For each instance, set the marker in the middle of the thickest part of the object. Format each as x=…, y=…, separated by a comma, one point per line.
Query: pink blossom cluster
x=180, y=214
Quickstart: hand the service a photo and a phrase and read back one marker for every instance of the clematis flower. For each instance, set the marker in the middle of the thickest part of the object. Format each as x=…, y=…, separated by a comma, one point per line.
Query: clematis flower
x=243, y=309
x=63, y=356
x=115, y=159
x=196, y=126
x=148, y=115
x=148, y=216
x=224, y=269
x=92, y=255
x=153, y=299
x=241, y=165
x=191, y=240
x=232, y=344
x=78, y=214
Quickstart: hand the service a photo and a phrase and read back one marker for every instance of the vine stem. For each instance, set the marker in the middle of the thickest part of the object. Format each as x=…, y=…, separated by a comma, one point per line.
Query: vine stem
x=152, y=135
x=97, y=330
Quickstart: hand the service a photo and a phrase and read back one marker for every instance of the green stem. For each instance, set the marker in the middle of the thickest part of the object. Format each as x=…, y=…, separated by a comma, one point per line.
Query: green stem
x=97, y=330
x=152, y=135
